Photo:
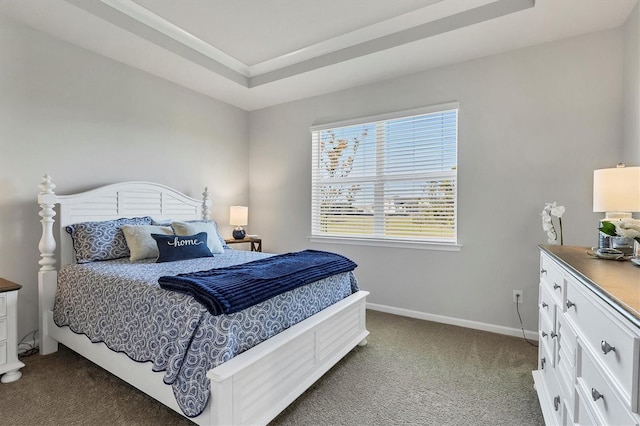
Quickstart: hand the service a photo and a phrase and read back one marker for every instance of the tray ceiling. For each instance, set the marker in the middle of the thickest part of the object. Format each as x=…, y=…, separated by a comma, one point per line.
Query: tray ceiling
x=258, y=53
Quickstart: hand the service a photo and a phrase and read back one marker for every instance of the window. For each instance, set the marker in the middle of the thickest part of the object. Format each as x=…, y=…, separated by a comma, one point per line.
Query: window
x=391, y=177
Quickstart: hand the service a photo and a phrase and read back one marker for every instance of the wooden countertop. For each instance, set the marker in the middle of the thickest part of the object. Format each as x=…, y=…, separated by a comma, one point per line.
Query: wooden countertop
x=617, y=282
x=6, y=285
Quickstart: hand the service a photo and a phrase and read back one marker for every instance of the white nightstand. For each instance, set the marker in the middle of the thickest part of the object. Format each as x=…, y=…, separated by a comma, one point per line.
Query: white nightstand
x=9, y=364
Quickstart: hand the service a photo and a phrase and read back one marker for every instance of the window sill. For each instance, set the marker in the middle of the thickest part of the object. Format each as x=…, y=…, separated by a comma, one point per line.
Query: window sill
x=379, y=242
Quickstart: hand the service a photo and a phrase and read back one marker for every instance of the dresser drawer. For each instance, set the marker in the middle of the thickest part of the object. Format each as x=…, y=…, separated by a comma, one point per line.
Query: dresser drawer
x=599, y=397
x=566, y=338
x=545, y=339
x=597, y=329
x=3, y=329
x=584, y=416
x=3, y=353
x=545, y=361
x=566, y=359
x=552, y=278
x=546, y=305
x=3, y=305
x=555, y=403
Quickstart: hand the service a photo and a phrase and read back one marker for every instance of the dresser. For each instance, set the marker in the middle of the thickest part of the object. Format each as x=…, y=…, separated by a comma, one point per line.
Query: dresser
x=589, y=339
x=9, y=364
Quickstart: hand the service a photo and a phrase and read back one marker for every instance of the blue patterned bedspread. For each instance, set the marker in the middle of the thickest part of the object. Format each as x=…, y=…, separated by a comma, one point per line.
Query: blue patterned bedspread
x=121, y=304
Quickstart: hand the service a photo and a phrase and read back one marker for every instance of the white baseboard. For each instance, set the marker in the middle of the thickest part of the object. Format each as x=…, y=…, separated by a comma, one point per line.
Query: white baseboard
x=531, y=335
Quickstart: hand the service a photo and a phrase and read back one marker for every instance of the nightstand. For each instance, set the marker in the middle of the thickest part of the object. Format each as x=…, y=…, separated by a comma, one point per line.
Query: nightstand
x=256, y=243
x=9, y=364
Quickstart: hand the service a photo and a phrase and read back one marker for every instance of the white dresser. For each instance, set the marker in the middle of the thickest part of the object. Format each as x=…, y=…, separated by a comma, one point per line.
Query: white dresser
x=589, y=339
x=9, y=364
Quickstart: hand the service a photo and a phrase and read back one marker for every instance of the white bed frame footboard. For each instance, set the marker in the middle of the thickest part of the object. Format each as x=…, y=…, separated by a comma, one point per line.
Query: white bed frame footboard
x=252, y=388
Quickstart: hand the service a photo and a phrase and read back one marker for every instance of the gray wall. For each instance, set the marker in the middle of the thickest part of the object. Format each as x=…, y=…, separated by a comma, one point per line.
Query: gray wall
x=88, y=121
x=631, y=78
x=534, y=124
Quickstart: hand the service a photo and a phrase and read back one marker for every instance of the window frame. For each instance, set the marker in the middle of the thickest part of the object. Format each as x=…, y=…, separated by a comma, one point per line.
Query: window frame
x=375, y=240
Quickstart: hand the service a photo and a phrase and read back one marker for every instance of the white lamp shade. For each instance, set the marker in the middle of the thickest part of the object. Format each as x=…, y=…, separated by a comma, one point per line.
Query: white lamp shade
x=616, y=190
x=238, y=215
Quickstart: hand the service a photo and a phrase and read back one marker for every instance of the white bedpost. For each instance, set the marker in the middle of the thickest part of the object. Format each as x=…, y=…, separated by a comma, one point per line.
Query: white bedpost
x=48, y=275
x=206, y=203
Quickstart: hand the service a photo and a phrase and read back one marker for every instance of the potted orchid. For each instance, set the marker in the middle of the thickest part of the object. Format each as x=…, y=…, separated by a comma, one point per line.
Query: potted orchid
x=550, y=211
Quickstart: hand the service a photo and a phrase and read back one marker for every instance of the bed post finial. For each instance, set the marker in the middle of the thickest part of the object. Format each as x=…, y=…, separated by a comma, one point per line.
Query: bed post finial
x=47, y=245
x=206, y=203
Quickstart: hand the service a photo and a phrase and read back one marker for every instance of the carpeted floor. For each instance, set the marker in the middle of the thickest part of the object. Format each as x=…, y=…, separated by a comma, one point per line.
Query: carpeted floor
x=412, y=372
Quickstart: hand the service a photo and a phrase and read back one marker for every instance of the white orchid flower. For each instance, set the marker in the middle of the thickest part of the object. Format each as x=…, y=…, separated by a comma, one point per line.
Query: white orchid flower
x=626, y=228
x=629, y=223
x=550, y=210
x=557, y=211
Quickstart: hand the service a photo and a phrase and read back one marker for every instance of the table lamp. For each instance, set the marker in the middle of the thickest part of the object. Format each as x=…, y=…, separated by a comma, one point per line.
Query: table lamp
x=238, y=216
x=616, y=192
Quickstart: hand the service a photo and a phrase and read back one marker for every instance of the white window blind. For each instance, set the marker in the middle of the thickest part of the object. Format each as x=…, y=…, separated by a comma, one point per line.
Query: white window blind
x=392, y=178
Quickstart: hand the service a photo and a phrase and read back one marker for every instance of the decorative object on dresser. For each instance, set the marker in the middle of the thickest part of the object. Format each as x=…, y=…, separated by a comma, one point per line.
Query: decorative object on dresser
x=238, y=216
x=228, y=392
x=616, y=192
x=589, y=333
x=623, y=234
x=255, y=241
x=551, y=210
x=9, y=364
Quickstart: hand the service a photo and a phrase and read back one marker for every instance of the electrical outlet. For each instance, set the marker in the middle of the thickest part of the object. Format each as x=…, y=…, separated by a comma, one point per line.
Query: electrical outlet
x=517, y=296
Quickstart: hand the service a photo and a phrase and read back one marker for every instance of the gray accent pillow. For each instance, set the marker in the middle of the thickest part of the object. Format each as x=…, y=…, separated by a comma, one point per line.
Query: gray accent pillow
x=139, y=240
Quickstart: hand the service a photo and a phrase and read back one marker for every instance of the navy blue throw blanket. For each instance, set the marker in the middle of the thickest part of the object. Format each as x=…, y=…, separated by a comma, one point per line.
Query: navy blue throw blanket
x=232, y=289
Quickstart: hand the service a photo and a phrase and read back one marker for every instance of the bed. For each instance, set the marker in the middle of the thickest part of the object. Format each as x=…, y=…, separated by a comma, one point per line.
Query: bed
x=251, y=387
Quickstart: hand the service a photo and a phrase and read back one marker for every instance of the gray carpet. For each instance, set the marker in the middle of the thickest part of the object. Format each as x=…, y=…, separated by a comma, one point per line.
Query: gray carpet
x=412, y=372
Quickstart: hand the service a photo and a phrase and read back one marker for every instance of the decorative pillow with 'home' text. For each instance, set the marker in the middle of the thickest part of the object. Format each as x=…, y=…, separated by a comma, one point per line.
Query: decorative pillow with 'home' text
x=176, y=247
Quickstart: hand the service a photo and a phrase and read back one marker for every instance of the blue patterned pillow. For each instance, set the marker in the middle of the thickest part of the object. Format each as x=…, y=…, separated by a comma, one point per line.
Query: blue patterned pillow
x=175, y=247
x=103, y=240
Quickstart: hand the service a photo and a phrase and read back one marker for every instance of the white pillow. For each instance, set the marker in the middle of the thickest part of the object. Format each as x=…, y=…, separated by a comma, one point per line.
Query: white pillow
x=139, y=240
x=184, y=229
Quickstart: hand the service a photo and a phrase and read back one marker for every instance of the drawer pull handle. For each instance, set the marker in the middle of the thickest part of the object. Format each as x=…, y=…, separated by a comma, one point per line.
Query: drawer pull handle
x=556, y=286
x=554, y=335
x=544, y=304
x=570, y=304
x=596, y=395
x=606, y=347
x=543, y=361
x=556, y=402
x=543, y=271
x=544, y=334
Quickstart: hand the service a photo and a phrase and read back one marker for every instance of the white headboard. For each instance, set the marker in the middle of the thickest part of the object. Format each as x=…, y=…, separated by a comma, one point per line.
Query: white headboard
x=126, y=199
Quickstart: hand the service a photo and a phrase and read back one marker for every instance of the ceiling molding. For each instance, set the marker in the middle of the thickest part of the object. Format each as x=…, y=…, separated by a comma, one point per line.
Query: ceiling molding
x=145, y=16
x=116, y=17
x=409, y=35
x=142, y=22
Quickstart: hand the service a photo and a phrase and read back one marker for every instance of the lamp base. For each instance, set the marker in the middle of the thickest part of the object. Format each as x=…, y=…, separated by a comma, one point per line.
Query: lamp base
x=238, y=233
x=616, y=215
